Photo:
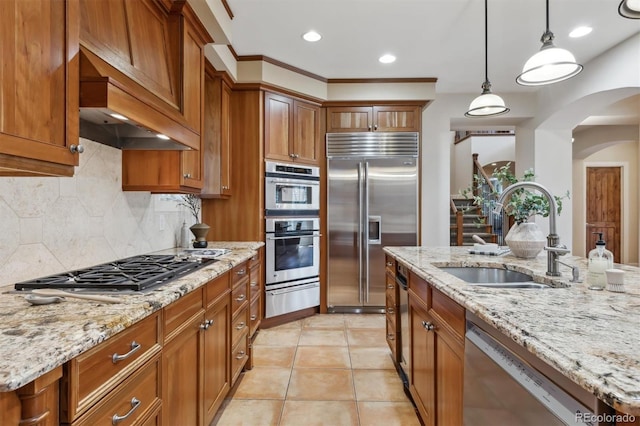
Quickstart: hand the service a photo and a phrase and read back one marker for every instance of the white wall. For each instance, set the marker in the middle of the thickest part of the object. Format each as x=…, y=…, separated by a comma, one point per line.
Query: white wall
x=50, y=225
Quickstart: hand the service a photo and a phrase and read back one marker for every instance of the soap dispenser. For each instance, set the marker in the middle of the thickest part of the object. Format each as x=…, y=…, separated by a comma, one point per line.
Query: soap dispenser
x=600, y=259
x=184, y=235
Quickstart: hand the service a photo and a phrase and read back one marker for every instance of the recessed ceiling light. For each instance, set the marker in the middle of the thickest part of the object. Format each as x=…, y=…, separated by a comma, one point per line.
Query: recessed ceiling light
x=161, y=136
x=119, y=117
x=580, y=32
x=311, y=36
x=387, y=59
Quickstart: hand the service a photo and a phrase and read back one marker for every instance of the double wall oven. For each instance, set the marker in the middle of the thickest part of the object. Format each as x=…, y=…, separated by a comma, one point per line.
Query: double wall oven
x=292, y=203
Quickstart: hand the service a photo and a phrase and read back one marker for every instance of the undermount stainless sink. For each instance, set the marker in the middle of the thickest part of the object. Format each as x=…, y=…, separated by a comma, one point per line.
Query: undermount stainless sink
x=493, y=277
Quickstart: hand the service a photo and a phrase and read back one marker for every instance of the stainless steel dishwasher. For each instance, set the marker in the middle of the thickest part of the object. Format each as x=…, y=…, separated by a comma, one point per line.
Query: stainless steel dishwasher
x=505, y=384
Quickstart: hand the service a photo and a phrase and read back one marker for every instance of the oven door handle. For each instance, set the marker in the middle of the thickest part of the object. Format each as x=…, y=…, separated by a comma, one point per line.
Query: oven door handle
x=294, y=181
x=291, y=289
x=294, y=236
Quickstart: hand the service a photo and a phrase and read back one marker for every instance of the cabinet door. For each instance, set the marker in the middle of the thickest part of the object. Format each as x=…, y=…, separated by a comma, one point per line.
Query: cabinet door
x=396, y=119
x=181, y=376
x=278, y=129
x=349, y=119
x=449, y=378
x=306, y=133
x=422, y=370
x=38, y=87
x=217, y=360
x=216, y=137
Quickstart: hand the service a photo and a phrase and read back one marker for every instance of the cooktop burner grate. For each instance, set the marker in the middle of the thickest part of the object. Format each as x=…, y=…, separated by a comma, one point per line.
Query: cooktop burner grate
x=134, y=273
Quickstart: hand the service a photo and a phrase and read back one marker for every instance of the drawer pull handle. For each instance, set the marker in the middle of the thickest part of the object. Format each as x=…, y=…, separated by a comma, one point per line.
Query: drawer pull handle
x=391, y=286
x=254, y=284
x=135, y=403
x=241, y=298
x=254, y=317
x=240, y=355
x=391, y=337
x=241, y=272
x=240, y=326
x=389, y=263
x=135, y=346
x=390, y=310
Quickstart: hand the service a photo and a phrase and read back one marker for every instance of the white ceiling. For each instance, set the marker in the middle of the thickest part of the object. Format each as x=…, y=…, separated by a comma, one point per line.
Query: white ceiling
x=430, y=38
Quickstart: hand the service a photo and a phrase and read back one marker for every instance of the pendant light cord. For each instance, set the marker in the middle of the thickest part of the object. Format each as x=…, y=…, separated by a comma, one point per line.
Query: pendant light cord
x=486, y=54
x=547, y=16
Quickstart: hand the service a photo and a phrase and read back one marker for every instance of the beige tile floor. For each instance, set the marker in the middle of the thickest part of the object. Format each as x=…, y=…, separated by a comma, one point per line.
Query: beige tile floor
x=332, y=369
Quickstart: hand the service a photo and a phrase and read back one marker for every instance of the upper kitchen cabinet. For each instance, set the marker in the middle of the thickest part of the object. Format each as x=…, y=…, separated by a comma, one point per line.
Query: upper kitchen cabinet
x=39, y=88
x=216, y=136
x=376, y=118
x=291, y=129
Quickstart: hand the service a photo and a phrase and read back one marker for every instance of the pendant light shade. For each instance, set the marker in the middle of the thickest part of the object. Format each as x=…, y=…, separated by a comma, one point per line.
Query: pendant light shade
x=629, y=9
x=550, y=65
x=487, y=104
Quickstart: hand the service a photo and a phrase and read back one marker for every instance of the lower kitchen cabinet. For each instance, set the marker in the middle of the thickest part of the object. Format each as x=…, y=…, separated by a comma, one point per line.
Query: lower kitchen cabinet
x=437, y=353
x=195, y=356
x=38, y=399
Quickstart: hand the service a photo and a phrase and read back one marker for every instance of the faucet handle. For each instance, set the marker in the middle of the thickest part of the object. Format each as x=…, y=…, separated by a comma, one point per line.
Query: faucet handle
x=560, y=249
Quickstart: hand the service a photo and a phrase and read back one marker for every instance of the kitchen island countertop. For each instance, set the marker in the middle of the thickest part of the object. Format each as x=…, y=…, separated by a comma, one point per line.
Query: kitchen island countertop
x=37, y=339
x=591, y=337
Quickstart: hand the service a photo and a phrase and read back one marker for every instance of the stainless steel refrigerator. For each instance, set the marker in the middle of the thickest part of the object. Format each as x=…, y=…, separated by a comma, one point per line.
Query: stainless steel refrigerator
x=372, y=202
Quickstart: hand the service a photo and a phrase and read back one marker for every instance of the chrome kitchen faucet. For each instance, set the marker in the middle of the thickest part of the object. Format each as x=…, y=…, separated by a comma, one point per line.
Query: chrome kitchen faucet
x=554, y=248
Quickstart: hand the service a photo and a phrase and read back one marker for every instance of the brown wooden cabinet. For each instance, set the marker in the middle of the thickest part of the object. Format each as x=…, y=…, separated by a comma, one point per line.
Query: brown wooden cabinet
x=38, y=399
x=96, y=385
x=39, y=88
x=195, y=358
x=392, y=309
x=239, y=319
x=376, y=118
x=437, y=353
x=216, y=136
x=291, y=129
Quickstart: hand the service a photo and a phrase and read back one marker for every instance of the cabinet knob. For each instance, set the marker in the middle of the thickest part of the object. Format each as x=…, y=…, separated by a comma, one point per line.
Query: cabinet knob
x=390, y=336
x=187, y=175
x=205, y=325
x=240, y=326
x=389, y=264
x=390, y=310
x=428, y=326
x=76, y=149
x=240, y=298
x=369, y=128
x=375, y=127
x=240, y=355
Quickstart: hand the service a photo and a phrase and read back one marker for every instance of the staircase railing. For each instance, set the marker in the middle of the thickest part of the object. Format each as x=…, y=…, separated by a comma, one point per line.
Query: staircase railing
x=489, y=189
x=459, y=221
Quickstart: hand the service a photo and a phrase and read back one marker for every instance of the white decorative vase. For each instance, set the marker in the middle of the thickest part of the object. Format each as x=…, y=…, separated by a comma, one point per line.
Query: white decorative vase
x=525, y=240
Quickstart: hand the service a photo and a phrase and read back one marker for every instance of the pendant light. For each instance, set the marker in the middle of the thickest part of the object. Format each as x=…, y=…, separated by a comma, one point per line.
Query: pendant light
x=629, y=9
x=487, y=104
x=550, y=65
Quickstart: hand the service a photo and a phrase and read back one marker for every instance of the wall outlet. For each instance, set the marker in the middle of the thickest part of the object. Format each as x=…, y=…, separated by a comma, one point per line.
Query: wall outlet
x=162, y=222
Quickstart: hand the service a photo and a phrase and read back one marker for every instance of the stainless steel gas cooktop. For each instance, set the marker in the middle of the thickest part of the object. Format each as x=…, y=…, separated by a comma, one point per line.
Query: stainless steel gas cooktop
x=135, y=273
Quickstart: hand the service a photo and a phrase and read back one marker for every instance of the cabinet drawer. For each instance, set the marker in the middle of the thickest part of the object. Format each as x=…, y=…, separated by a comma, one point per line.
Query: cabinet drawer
x=255, y=260
x=239, y=326
x=135, y=399
x=181, y=310
x=239, y=297
x=239, y=272
x=239, y=357
x=450, y=312
x=255, y=315
x=91, y=375
x=254, y=282
x=392, y=337
x=215, y=288
x=391, y=291
x=420, y=288
x=390, y=265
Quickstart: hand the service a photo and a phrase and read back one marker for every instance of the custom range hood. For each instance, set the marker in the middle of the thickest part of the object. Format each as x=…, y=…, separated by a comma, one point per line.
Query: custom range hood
x=118, y=111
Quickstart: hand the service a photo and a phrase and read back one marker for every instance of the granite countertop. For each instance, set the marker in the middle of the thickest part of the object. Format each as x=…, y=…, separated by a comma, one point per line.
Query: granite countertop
x=37, y=339
x=591, y=337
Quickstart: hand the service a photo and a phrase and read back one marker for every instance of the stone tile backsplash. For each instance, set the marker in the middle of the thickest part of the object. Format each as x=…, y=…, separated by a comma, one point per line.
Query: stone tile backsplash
x=49, y=225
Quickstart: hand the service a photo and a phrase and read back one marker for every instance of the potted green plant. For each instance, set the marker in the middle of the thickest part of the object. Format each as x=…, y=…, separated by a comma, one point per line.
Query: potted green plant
x=193, y=204
x=525, y=239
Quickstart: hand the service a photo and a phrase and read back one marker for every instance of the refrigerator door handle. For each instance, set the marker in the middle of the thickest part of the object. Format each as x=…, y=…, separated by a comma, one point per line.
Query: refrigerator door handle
x=365, y=224
x=375, y=230
x=360, y=230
